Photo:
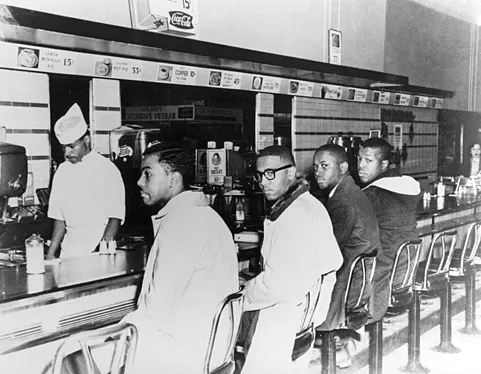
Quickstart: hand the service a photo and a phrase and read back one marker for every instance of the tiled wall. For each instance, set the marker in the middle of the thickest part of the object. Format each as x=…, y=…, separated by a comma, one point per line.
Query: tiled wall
x=264, y=123
x=25, y=113
x=315, y=120
x=105, y=112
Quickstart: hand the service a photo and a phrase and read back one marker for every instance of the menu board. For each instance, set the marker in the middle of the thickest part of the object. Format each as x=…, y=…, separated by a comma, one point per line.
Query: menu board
x=420, y=101
x=331, y=92
x=271, y=84
x=49, y=60
x=402, y=99
x=301, y=88
x=225, y=79
x=384, y=98
x=357, y=94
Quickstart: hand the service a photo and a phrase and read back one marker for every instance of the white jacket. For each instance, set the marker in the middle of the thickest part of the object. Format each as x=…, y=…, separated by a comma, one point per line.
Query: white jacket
x=298, y=248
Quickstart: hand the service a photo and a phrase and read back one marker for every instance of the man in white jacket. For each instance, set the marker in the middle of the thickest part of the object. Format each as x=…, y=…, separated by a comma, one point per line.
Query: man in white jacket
x=298, y=247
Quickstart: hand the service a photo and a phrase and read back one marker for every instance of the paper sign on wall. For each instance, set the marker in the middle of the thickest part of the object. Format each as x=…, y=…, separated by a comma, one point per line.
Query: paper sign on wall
x=216, y=166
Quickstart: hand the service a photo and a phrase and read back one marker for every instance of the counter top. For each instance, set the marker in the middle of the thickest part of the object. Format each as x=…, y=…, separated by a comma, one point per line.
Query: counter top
x=449, y=204
x=16, y=284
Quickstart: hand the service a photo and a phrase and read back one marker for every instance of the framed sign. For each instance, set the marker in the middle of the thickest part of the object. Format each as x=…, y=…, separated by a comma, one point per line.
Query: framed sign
x=374, y=133
x=335, y=47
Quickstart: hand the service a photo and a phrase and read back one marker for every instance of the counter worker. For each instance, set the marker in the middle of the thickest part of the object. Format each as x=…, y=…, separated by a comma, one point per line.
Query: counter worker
x=87, y=200
x=472, y=165
x=356, y=230
x=192, y=267
x=298, y=247
x=395, y=199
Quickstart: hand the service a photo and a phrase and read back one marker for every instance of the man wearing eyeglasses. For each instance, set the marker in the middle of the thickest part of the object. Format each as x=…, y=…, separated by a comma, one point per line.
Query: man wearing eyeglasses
x=87, y=201
x=298, y=247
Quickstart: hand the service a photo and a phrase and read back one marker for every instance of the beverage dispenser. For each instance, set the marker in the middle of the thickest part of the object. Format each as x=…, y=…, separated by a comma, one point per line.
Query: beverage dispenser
x=13, y=174
x=127, y=144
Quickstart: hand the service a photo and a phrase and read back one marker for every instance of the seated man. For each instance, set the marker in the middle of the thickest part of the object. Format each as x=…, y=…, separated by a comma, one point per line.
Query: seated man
x=395, y=199
x=298, y=247
x=355, y=227
x=192, y=266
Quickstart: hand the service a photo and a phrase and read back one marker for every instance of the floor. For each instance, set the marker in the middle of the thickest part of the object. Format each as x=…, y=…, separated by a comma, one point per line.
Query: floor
x=395, y=336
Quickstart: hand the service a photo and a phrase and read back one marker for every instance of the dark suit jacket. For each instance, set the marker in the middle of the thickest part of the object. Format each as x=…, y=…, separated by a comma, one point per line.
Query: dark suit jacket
x=356, y=230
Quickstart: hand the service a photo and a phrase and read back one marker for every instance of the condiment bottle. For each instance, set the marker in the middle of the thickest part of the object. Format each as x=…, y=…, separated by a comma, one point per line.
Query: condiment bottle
x=239, y=210
x=35, y=254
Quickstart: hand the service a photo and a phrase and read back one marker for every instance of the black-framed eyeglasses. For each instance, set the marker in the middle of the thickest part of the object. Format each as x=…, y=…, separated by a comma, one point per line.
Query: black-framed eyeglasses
x=269, y=174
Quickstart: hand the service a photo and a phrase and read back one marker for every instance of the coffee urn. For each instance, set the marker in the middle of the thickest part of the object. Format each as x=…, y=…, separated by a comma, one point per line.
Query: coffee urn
x=13, y=174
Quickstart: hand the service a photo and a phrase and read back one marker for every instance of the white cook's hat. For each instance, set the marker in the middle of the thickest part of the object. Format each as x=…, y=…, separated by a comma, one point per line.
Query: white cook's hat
x=71, y=126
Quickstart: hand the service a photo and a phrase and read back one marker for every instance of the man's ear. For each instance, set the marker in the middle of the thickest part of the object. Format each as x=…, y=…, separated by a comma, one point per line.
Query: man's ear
x=384, y=165
x=88, y=140
x=175, y=179
x=291, y=173
x=344, y=166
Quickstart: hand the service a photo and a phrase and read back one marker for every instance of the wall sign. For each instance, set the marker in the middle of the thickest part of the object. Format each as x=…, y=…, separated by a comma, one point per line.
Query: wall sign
x=331, y=92
x=177, y=17
x=420, y=101
x=402, y=99
x=301, y=88
x=335, y=47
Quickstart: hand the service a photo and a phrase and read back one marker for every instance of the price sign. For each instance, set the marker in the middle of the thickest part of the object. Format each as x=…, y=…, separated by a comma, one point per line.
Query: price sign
x=184, y=74
x=57, y=61
x=271, y=84
x=384, y=97
x=124, y=69
x=231, y=80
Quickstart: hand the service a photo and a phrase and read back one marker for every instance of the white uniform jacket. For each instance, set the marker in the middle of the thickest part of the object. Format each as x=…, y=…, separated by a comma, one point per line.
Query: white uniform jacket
x=298, y=247
x=85, y=195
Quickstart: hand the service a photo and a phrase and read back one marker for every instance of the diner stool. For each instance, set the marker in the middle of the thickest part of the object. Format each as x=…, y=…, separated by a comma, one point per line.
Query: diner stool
x=432, y=279
x=319, y=293
x=228, y=312
x=306, y=335
x=401, y=296
x=463, y=269
x=123, y=337
x=355, y=318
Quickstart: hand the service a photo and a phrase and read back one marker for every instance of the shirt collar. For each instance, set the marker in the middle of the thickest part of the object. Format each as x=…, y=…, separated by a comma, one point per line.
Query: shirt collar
x=184, y=199
x=331, y=194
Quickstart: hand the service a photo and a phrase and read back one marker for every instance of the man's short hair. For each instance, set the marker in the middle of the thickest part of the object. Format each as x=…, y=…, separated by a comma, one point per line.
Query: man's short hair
x=382, y=146
x=335, y=150
x=175, y=159
x=278, y=150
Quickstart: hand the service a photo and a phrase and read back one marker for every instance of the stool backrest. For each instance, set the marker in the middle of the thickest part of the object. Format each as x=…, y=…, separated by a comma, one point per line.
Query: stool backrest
x=437, y=269
x=310, y=306
x=231, y=308
x=471, y=243
x=305, y=335
x=357, y=315
x=405, y=265
x=123, y=336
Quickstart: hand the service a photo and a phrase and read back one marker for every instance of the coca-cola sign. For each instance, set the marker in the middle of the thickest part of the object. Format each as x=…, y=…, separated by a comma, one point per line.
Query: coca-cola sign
x=181, y=20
